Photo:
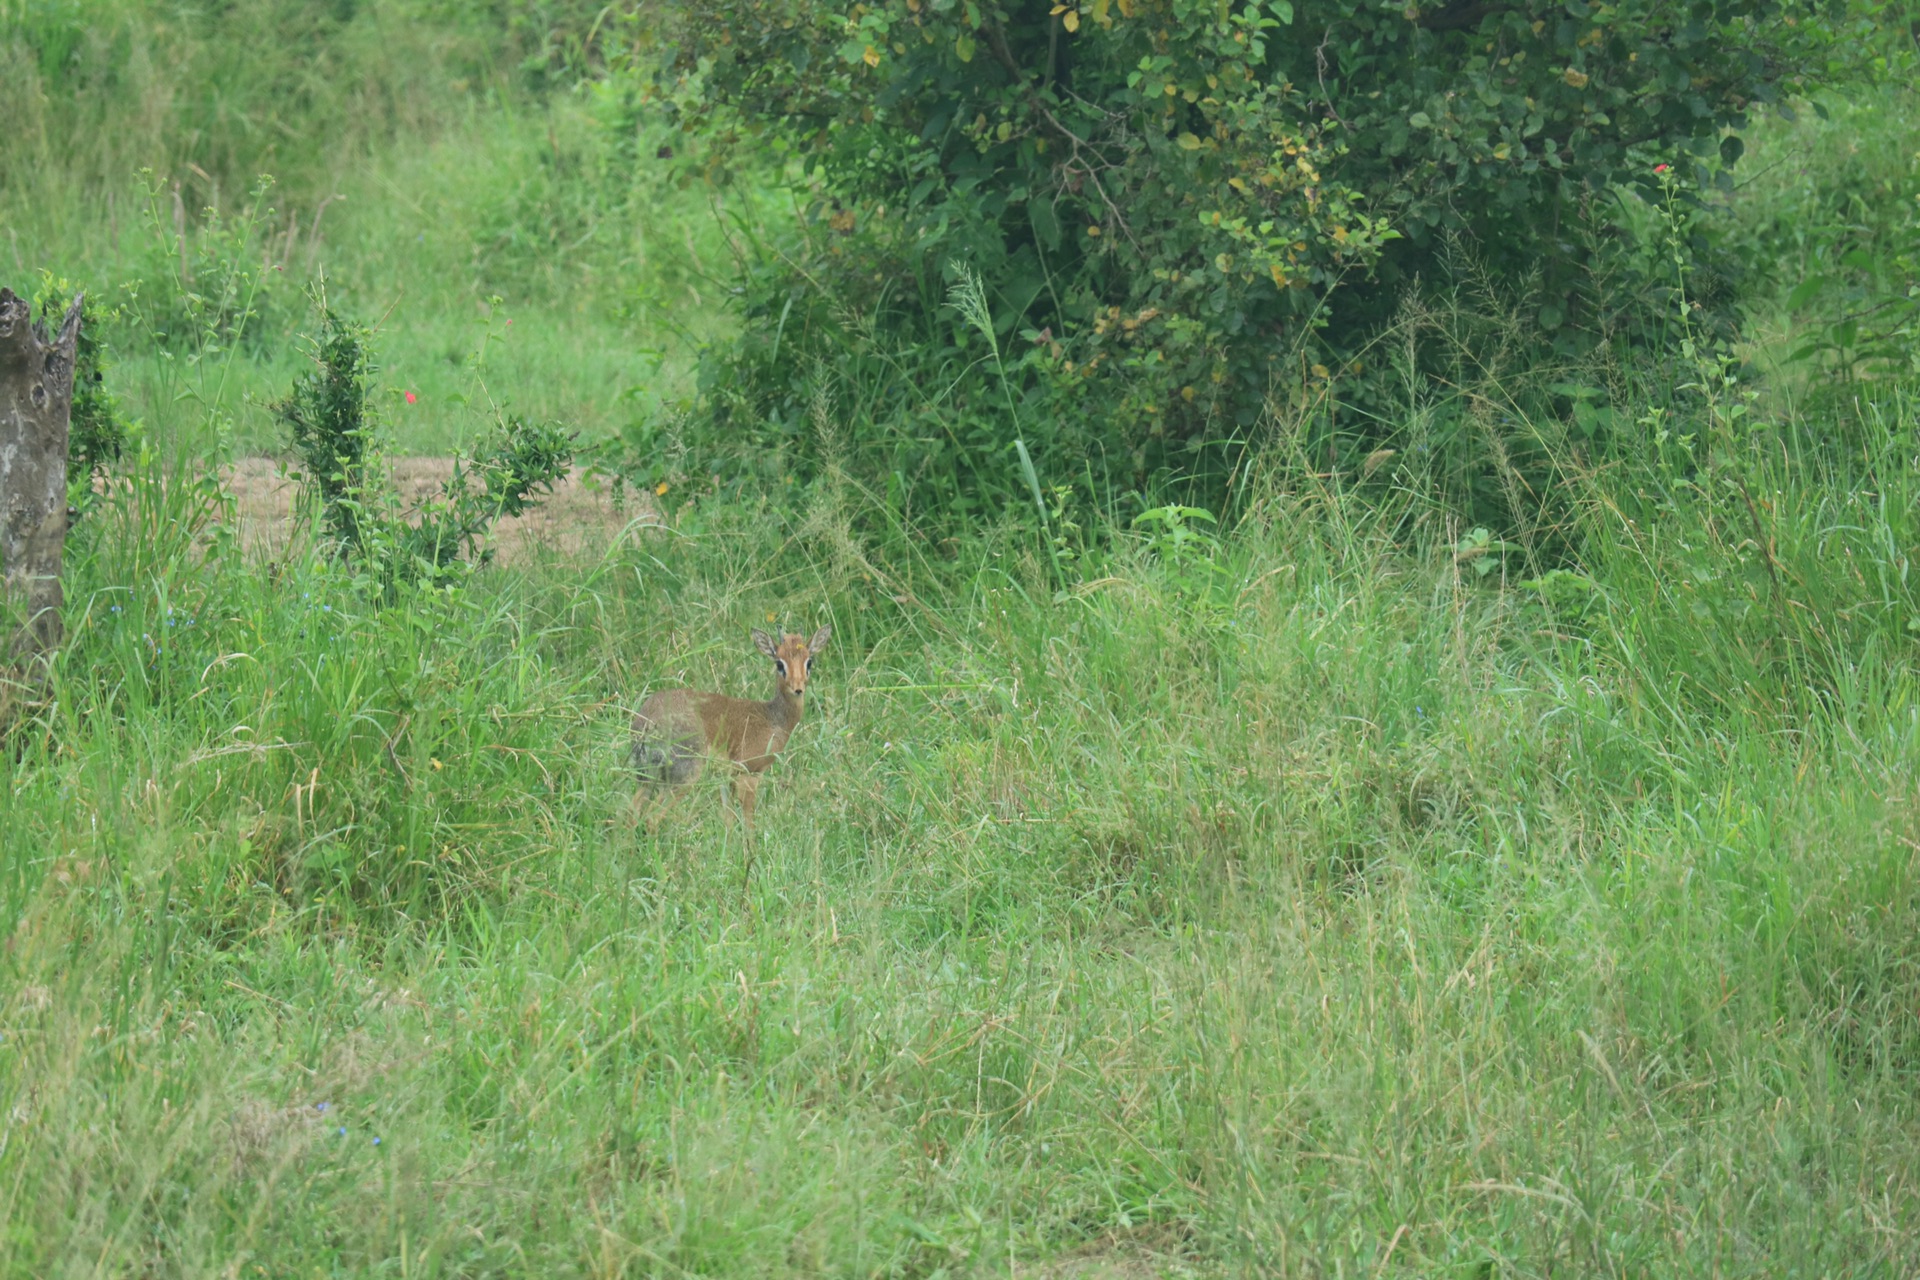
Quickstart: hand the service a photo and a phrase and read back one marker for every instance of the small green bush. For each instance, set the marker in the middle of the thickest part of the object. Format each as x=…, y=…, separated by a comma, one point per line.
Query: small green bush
x=334, y=430
x=328, y=419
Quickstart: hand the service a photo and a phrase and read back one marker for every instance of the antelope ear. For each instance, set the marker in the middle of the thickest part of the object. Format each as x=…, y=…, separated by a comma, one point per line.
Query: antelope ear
x=764, y=643
x=819, y=640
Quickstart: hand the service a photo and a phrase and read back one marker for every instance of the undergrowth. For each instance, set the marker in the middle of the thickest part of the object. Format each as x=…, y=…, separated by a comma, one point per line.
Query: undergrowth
x=1320, y=883
x=1294, y=900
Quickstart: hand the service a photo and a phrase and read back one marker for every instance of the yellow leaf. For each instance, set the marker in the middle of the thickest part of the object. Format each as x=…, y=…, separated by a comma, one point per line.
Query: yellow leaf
x=1279, y=276
x=1188, y=142
x=660, y=490
x=1126, y=8
x=1093, y=231
x=1502, y=151
x=1100, y=14
x=1320, y=371
x=1237, y=185
x=871, y=57
x=1575, y=77
x=1071, y=22
x=1056, y=11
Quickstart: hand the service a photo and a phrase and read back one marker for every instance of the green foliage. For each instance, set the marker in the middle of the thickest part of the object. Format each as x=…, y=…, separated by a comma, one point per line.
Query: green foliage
x=202, y=287
x=333, y=428
x=216, y=95
x=329, y=421
x=1180, y=205
x=1835, y=222
x=511, y=468
x=97, y=429
x=1775, y=583
x=1367, y=846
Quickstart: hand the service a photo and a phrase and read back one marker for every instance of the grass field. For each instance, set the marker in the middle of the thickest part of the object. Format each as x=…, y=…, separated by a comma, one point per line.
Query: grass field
x=1315, y=901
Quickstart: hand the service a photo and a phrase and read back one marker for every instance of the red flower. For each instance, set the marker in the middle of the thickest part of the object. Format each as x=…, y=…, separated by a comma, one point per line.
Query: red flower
x=1660, y=168
x=410, y=397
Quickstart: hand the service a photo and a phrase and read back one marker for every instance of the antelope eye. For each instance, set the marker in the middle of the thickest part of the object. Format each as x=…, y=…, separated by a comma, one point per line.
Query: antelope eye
x=809, y=664
x=782, y=664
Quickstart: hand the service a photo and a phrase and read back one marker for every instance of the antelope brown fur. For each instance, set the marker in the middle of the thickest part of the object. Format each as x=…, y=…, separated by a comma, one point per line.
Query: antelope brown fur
x=676, y=729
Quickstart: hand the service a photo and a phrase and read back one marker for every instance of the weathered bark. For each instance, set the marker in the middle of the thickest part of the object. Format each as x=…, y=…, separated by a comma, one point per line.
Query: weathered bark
x=36, y=398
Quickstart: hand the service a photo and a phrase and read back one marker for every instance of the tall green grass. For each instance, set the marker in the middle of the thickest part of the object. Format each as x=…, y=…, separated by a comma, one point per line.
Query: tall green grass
x=445, y=188
x=1300, y=903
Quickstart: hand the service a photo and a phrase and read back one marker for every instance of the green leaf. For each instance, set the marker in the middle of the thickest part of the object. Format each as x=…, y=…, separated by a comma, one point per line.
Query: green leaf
x=963, y=47
x=1805, y=292
x=1731, y=149
x=1046, y=224
x=1420, y=120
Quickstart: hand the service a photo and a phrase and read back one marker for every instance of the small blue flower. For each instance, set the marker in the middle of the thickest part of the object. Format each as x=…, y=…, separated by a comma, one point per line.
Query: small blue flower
x=319, y=1106
x=376, y=1142
x=343, y=1131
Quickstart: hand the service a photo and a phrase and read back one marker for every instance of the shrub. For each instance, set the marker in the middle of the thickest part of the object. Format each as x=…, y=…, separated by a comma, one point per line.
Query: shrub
x=328, y=418
x=335, y=433
x=97, y=431
x=1194, y=213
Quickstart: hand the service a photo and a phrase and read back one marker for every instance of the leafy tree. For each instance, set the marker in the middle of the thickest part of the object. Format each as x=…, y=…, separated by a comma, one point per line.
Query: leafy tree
x=1193, y=209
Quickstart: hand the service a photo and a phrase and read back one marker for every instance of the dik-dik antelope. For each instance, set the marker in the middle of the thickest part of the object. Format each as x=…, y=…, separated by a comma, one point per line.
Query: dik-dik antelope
x=675, y=729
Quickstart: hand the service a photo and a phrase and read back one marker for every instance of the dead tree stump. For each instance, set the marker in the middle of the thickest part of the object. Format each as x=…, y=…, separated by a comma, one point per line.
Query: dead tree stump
x=36, y=397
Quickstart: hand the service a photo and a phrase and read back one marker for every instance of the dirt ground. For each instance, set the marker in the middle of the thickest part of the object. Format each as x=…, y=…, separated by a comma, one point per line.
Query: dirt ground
x=578, y=518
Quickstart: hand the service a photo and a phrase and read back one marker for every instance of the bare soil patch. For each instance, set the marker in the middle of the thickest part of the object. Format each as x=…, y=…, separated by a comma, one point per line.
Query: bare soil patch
x=580, y=518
